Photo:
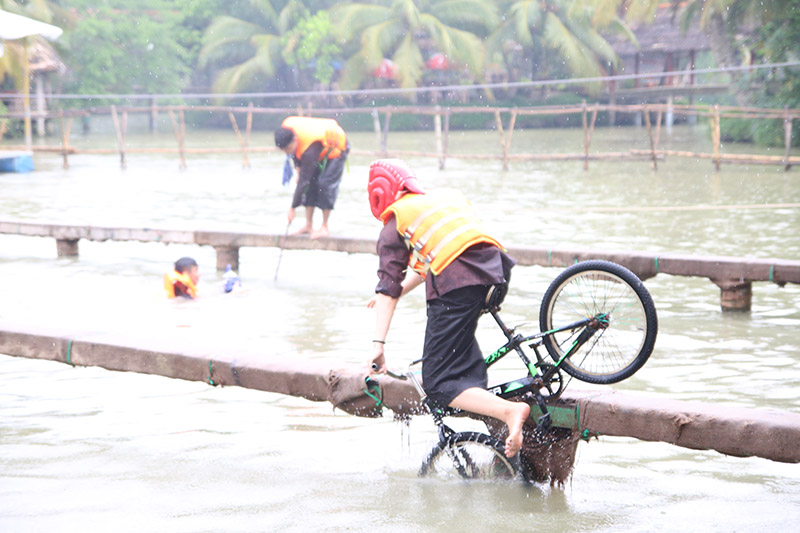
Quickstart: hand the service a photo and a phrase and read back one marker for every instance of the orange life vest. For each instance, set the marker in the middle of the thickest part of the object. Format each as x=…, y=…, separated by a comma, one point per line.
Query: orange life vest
x=309, y=130
x=437, y=227
x=171, y=279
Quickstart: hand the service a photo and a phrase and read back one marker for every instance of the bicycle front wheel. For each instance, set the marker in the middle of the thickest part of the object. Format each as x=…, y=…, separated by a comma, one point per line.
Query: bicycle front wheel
x=470, y=455
x=619, y=301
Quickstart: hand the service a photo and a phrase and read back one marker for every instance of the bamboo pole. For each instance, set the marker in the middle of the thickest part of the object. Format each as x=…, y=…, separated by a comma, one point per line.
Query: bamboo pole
x=446, y=136
x=179, y=133
x=787, y=133
x=716, y=134
x=646, y=114
x=65, y=131
x=510, y=132
x=437, y=129
x=249, y=127
x=242, y=142
x=585, y=124
x=376, y=125
x=659, y=117
x=587, y=137
x=120, y=136
x=385, y=141
x=153, y=115
x=499, y=123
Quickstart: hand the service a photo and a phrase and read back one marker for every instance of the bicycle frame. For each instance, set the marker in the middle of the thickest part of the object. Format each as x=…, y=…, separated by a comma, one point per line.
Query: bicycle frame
x=540, y=373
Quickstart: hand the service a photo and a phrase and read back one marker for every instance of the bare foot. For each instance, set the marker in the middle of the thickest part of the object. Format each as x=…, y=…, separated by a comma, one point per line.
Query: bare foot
x=515, y=422
x=321, y=232
x=303, y=231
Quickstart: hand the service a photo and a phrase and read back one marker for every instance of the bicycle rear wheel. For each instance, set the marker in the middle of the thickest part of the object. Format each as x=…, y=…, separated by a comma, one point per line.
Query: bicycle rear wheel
x=613, y=293
x=470, y=455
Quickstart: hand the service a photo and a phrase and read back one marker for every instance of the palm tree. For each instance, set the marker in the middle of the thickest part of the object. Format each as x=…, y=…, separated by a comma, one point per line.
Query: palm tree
x=565, y=32
x=406, y=30
x=248, y=51
x=723, y=21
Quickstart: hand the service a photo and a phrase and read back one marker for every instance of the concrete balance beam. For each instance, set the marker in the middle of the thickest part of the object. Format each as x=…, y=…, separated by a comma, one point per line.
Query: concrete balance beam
x=729, y=430
x=733, y=275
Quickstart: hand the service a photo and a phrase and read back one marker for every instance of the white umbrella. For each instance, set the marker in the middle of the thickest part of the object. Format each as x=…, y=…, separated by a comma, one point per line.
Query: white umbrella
x=18, y=27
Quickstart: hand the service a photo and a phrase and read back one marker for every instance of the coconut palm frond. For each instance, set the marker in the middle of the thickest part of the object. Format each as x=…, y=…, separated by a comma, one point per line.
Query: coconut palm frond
x=221, y=34
x=408, y=11
x=620, y=27
x=351, y=19
x=595, y=42
x=379, y=40
x=465, y=14
x=526, y=19
x=638, y=10
x=558, y=37
x=241, y=77
x=409, y=62
x=266, y=10
x=354, y=72
x=462, y=46
x=268, y=52
x=293, y=11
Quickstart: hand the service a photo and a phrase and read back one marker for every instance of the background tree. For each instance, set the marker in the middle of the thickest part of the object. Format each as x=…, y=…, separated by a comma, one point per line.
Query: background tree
x=558, y=37
x=405, y=31
x=125, y=47
x=736, y=33
x=311, y=46
x=246, y=49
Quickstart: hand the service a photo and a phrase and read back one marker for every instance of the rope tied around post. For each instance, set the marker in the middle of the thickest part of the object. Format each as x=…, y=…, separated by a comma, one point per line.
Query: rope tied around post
x=69, y=354
x=211, y=375
x=373, y=390
x=656, y=261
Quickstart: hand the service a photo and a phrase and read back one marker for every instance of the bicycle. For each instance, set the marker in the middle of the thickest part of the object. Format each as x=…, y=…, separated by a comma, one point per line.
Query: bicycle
x=598, y=324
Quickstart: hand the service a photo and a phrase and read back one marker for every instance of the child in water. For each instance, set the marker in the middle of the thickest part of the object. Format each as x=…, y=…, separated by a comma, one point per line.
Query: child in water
x=182, y=281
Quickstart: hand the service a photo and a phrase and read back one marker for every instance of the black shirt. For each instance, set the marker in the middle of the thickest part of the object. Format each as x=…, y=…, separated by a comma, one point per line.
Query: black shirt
x=307, y=170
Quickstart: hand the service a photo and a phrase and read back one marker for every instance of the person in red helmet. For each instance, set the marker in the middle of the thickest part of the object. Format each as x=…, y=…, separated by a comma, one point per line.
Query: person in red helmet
x=435, y=238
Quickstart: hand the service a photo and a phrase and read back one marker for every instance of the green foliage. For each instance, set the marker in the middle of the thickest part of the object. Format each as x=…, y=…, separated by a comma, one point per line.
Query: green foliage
x=118, y=48
x=310, y=44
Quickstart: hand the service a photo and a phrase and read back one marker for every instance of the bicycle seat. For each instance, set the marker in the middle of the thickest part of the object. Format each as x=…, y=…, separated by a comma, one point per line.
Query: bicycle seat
x=495, y=296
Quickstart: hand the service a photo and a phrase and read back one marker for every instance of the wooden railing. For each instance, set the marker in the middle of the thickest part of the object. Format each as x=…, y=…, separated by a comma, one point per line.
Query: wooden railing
x=733, y=275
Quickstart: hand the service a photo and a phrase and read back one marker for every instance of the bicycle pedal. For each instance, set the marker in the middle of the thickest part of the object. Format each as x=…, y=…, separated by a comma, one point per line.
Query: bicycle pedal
x=545, y=422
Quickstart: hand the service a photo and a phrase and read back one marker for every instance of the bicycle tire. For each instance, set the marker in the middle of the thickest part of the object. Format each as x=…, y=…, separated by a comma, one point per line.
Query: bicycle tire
x=470, y=455
x=585, y=290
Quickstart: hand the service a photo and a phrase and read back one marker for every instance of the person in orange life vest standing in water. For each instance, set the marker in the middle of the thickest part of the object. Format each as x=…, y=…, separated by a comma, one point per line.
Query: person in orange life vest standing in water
x=318, y=147
x=183, y=280
x=438, y=238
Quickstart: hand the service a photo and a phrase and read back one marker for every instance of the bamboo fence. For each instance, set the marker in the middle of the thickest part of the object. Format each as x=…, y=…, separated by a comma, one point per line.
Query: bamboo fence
x=441, y=125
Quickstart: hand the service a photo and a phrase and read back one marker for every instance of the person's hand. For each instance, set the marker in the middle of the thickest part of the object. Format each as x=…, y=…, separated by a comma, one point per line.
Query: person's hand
x=290, y=215
x=371, y=302
x=377, y=362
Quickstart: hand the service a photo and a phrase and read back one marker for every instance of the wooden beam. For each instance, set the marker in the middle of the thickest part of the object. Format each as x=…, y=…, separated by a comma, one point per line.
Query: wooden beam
x=730, y=430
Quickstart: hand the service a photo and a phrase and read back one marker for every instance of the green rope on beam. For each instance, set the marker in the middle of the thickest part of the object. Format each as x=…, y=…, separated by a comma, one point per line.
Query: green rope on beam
x=69, y=353
x=372, y=384
x=771, y=272
x=210, y=374
x=549, y=258
x=657, y=269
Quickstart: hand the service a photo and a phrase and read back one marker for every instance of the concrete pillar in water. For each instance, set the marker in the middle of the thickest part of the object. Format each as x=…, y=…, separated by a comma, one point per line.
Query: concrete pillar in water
x=67, y=247
x=735, y=294
x=227, y=255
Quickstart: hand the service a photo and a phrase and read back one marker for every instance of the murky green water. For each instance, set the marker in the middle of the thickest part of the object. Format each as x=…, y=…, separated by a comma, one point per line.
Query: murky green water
x=84, y=449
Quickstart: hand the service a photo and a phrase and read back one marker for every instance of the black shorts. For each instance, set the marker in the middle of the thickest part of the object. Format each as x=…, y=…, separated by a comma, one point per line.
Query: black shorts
x=452, y=361
x=323, y=190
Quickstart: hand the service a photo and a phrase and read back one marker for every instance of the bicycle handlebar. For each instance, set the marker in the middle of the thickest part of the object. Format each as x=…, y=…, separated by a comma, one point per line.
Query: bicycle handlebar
x=402, y=377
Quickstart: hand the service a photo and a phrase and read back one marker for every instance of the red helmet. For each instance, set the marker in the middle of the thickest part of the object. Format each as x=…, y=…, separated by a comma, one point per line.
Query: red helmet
x=387, y=177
